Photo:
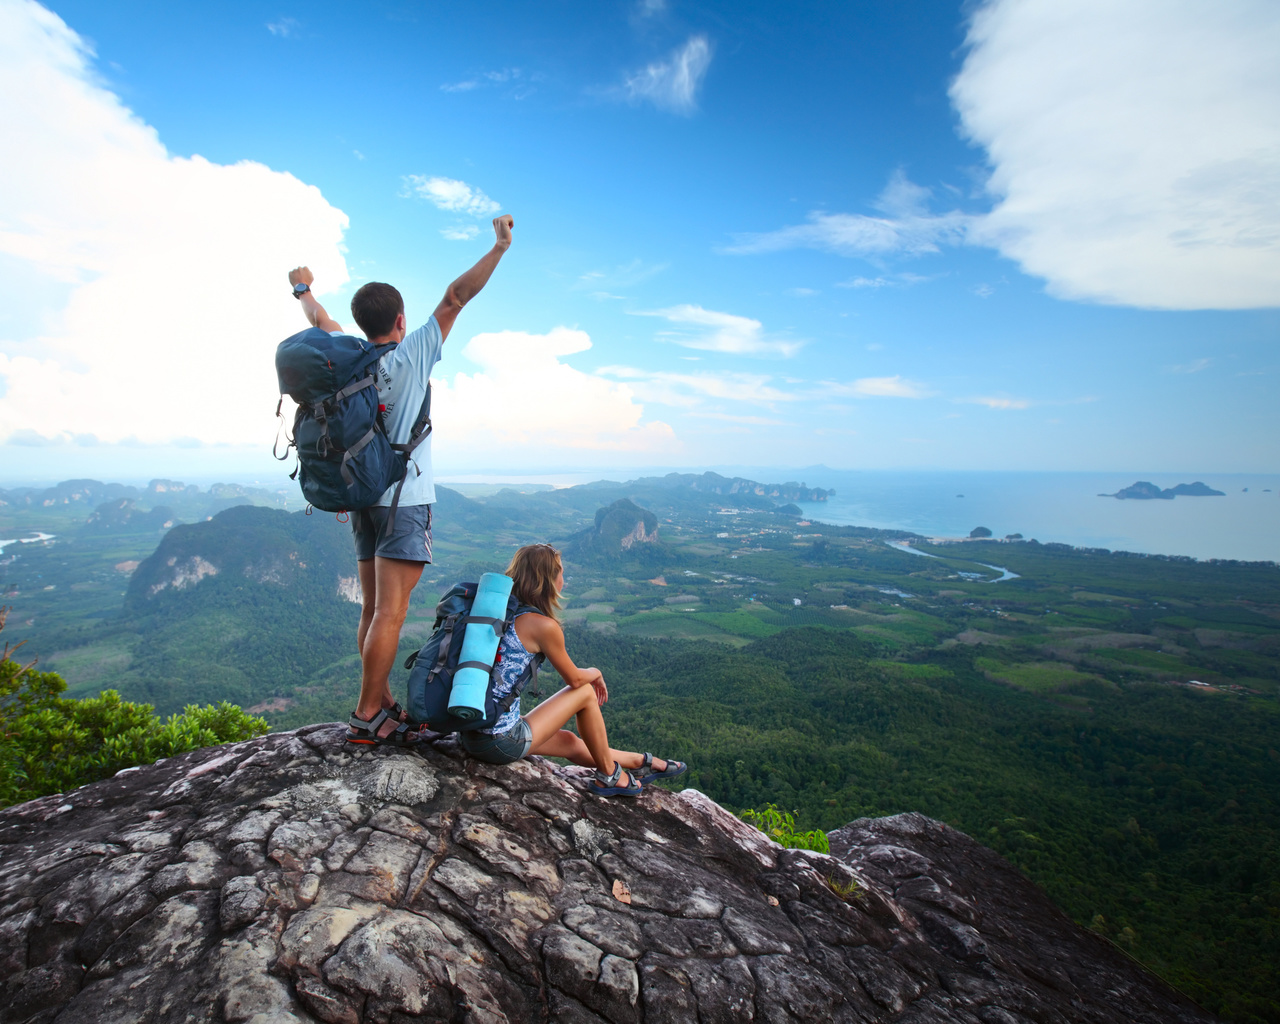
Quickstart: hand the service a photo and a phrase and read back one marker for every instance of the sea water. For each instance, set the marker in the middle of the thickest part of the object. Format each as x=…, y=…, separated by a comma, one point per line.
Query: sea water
x=1062, y=507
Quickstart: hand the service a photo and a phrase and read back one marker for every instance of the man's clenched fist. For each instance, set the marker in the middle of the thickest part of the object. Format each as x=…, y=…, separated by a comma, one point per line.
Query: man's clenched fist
x=502, y=228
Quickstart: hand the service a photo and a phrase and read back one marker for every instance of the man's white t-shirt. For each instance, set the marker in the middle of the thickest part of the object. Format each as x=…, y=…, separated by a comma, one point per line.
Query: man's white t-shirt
x=403, y=374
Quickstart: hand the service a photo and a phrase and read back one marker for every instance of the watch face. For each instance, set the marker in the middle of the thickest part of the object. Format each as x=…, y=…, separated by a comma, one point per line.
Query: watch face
x=300, y=288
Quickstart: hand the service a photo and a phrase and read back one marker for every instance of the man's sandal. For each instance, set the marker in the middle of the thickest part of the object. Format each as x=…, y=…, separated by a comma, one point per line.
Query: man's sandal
x=672, y=769
x=610, y=785
x=366, y=732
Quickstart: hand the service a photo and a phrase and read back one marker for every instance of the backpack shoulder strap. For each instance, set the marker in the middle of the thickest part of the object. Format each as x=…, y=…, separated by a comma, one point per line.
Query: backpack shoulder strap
x=420, y=431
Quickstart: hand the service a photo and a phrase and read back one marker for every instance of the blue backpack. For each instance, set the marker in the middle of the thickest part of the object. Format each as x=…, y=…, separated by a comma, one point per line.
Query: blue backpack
x=431, y=669
x=345, y=458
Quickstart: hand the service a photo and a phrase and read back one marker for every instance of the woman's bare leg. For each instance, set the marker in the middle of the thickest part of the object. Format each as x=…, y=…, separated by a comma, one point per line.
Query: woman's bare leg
x=546, y=719
x=550, y=740
x=569, y=745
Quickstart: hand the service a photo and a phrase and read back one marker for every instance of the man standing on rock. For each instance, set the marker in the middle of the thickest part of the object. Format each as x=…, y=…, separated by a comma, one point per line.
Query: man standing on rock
x=390, y=561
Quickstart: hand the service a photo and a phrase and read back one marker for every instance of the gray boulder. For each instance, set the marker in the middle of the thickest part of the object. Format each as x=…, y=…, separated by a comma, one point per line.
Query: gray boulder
x=289, y=879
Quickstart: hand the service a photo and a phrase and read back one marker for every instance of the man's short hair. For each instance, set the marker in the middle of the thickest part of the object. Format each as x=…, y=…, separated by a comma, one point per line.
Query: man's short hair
x=375, y=308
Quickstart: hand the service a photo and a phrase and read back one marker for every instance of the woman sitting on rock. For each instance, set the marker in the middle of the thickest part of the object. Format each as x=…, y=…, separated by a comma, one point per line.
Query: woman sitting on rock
x=539, y=579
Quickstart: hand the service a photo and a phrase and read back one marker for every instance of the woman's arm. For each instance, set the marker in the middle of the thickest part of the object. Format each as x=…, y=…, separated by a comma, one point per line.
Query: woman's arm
x=546, y=637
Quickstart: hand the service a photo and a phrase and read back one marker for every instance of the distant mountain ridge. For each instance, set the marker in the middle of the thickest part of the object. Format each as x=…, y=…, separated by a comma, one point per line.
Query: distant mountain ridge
x=714, y=483
x=1144, y=490
x=158, y=505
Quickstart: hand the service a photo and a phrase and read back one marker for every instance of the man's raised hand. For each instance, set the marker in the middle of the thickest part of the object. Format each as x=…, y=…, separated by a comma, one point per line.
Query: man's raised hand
x=502, y=228
x=302, y=275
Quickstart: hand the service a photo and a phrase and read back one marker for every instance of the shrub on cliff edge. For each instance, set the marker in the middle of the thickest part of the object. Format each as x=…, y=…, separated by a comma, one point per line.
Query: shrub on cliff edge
x=51, y=744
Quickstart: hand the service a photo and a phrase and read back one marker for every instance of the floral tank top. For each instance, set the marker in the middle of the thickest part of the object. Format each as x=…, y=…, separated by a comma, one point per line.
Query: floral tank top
x=513, y=659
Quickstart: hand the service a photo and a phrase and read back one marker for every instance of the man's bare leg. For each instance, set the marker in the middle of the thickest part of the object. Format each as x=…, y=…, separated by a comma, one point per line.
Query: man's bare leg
x=368, y=596
x=386, y=603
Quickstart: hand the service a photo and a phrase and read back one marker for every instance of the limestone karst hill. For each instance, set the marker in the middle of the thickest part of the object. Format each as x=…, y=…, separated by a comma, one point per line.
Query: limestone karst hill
x=621, y=530
x=287, y=879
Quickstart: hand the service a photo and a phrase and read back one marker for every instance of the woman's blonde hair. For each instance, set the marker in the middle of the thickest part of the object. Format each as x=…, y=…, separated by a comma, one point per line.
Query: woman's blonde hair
x=534, y=569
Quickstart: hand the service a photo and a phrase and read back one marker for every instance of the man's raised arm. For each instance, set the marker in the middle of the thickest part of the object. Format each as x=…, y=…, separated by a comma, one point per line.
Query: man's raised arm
x=464, y=289
x=311, y=309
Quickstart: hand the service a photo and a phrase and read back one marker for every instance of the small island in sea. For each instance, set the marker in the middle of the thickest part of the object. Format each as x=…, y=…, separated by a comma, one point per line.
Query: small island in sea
x=1144, y=490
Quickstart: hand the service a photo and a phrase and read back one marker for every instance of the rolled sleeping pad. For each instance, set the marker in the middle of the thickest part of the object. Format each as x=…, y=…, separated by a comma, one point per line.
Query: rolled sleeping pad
x=479, y=647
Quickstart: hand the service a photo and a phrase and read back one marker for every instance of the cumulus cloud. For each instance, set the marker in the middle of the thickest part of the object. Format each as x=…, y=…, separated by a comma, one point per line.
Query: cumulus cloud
x=673, y=84
x=876, y=387
x=450, y=194
x=463, y=233
x=170, y=271
x=713, y=331
x=528, y=394
x=1134, y=147
x=906, y=227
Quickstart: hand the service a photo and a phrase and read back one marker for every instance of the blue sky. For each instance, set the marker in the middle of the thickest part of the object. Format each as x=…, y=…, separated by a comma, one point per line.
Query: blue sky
x=1016, y=235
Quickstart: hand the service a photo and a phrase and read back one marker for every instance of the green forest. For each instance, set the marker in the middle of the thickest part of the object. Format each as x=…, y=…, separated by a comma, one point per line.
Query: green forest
x=1108, y=722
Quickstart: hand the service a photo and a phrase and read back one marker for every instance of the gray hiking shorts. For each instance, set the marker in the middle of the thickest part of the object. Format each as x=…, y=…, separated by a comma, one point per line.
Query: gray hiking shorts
x=409, y=540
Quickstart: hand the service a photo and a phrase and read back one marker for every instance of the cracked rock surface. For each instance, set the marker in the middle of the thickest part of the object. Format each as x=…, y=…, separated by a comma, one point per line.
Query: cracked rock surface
x=290, y=879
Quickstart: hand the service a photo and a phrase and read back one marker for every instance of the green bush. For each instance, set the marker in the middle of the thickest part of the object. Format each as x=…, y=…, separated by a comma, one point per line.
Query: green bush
x=51, y=744
x=780, y=826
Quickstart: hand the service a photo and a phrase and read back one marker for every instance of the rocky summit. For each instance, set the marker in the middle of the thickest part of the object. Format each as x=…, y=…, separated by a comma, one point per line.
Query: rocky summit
x=291, y=879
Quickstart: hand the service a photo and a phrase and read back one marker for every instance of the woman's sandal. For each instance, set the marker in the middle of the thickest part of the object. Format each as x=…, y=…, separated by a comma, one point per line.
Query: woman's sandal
x=672, y=769
x=366, y=732
x=609, y=785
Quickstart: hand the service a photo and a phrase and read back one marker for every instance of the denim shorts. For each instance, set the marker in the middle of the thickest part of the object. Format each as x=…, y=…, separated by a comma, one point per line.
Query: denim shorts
x=499, y=748
x=410, y=540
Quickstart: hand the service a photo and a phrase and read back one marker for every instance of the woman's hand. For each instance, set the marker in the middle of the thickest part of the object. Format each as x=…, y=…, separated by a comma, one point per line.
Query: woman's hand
x=602, y=691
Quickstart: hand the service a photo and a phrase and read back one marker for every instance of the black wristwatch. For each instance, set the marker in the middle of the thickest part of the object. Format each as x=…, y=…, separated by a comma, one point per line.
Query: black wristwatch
x=300, y=290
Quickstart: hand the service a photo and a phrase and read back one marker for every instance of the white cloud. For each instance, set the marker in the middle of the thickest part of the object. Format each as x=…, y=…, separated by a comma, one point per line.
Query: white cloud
x=450, y=194
x=712, y=331
x=876, y=387
x=518, y=82
x=648, y=8
x=529, y=395
x=172, y=268
x=901, y=280
x=463, y=233
x=691, y=390
x=628, y=275
x=673, y=84
x=998, y=402
x=907, y=228
x=1195, y=366
x=1135, y=147
x=284, y=27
